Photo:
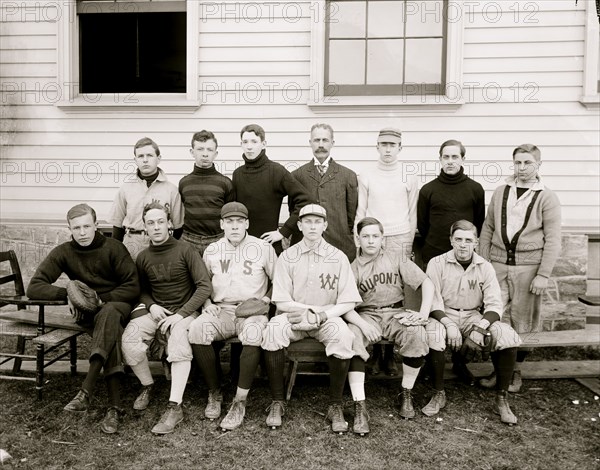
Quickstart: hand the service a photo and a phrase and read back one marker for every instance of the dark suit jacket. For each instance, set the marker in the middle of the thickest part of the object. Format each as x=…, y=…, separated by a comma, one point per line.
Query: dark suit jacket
x=337, y=192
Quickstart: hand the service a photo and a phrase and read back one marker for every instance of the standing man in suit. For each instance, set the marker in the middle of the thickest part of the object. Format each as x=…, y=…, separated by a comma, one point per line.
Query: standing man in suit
x=332, y=186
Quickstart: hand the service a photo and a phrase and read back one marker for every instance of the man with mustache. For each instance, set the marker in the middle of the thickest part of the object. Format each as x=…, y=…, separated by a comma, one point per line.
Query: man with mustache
x=332, y=186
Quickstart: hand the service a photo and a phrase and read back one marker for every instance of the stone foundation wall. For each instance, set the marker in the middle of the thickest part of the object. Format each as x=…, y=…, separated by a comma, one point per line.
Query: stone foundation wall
x=561, y=308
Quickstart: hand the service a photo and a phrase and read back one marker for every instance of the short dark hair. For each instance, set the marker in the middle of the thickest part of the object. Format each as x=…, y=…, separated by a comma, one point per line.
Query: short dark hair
x=79, y=210
x=368, y=221
x=203, y=136
x=457, y=143
x=463, y=225
x=155, y=205
x=146, y=141
x=259, y=131
x=528, y=148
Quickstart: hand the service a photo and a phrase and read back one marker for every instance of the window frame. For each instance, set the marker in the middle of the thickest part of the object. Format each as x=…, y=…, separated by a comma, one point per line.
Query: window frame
x=591, y=68
x=68, y=63
x=450, y=100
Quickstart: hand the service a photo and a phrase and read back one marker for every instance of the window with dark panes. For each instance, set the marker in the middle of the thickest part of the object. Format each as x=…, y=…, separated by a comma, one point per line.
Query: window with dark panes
x=132, y=52
x=385, y=47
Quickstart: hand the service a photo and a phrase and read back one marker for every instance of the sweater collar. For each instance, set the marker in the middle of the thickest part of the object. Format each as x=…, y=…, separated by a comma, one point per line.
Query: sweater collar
x=537, y=186
x=387, y=166
x=163, y=247
x=258, y=161
x=97, y=242
x=204, y=171
x=453, y=179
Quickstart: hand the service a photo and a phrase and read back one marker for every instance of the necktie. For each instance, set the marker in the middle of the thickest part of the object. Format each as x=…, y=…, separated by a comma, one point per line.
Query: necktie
x=321, y=169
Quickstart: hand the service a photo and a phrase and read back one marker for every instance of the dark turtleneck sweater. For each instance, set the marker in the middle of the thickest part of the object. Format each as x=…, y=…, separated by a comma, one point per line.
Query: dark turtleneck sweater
x=443, y=201
x=203, y=192
x=173, y=276
x=105, y=265
x=261, y=185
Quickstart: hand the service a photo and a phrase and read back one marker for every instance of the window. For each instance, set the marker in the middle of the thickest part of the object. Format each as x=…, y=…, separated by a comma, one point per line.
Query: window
x=383, y=54
x=124, y=54
x=591, y=70
x=394, y=47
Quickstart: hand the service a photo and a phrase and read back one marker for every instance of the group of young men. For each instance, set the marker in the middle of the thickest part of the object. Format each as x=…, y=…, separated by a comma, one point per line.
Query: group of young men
x=192, y=255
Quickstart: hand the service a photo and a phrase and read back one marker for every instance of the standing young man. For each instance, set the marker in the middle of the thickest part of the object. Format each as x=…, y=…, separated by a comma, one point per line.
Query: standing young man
x=105, y=266
x=522, y=237
x=203, y=193
x=332, y=186
x=149, y=184
x=450, y=197
x=465, y=286
x=241, y=268
x=174, y=284
x=261, y=184
x=312, y=288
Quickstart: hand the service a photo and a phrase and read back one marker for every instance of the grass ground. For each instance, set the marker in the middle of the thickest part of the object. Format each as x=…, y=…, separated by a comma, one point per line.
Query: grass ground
x=553, y=432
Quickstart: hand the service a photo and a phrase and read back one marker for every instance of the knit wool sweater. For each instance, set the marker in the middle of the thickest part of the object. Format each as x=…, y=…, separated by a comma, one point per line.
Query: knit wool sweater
x=443, y=201
x=173, y=276
x=390, y=196
x=203, y=193
x=105, y=265
x=540, y=240
x=261, y=185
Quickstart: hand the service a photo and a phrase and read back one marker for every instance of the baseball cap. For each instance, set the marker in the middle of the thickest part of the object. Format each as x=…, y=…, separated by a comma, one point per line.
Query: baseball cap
x=234, y=209
x=313, y=209
x=390, y=134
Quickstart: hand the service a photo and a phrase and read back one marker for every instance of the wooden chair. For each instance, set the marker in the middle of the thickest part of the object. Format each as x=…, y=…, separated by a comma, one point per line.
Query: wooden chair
x=47, y=331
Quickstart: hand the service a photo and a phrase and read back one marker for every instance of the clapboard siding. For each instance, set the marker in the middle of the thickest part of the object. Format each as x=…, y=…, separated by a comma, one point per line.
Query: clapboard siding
x=522, y=76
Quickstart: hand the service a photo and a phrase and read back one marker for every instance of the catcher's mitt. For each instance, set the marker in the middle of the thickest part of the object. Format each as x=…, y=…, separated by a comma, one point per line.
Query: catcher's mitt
x=158, y=345
x=469, y=347
x=304, y=320
x=251, y=307
x=83, y=301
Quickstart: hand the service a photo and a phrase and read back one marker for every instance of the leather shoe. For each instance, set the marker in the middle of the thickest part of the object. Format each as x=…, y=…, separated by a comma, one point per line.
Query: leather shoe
x=110, y=423
x=80, y=403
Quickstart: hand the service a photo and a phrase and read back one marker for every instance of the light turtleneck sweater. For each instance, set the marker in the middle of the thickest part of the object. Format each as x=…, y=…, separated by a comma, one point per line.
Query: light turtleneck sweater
x=389, y=195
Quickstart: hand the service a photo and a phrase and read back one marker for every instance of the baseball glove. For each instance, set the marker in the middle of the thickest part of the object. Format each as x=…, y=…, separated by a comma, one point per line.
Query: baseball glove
x=83, y=301
x=251, y=307
x=469, y=347
x=406, y=318
x=304, y=320
x=158, y=345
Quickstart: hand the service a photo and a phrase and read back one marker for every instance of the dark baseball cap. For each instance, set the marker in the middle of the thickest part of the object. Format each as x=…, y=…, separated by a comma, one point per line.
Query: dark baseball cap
x=234, y=209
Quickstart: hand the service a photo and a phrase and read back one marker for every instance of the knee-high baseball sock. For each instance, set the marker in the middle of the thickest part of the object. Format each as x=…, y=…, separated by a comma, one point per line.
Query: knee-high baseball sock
x=248, y=364
x=234, y=361
x=89, y=383
x=437, y=362
x=388, y=352
x=180, y=371
x=275, y=361
x=338, y=371
x=113, y=385
x=505, y=361
x=356, y=378
x=410, y=370
x=142, y=372
x=204, y=354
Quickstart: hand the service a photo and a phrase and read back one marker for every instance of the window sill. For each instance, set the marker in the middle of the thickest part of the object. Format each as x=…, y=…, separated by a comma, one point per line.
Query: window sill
x=130, y=103
x=370, y=104
x=591, y=102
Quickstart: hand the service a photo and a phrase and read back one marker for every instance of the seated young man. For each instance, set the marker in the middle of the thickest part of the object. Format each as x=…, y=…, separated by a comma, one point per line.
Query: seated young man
x=105, y=266
x=241, y=267
x=313, y=287
x=174, y=284
x=465, y=282
x=380, y=277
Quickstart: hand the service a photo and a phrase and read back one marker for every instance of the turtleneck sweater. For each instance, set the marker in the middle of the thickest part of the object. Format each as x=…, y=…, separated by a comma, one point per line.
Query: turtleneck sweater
x=104, y=265
x=203, y=193
x=389, y=195
x=261, y=185
x=443, y=201
x=173, y=276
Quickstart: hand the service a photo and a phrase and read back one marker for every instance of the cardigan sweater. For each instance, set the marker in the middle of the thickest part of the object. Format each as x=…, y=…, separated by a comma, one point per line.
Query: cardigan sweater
x=261, y=185
x=443, y=201
x=539, y=242
x=105, y=266
x=203, y=193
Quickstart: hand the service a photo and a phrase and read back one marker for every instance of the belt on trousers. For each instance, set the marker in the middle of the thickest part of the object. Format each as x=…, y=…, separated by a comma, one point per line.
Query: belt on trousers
x=193, y=236
x=133, y=231
x=463, y=309
x=398, y=304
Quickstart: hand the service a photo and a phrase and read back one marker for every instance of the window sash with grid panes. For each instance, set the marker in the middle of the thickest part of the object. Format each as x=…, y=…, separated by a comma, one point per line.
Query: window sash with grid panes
x=385, y=47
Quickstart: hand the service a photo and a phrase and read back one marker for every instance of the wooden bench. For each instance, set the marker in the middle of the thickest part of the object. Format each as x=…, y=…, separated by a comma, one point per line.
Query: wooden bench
x=47, y=330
